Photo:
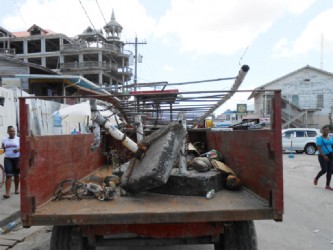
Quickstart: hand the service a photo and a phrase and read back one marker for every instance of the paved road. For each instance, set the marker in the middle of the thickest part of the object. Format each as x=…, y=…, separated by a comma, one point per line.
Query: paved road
x=308, y=218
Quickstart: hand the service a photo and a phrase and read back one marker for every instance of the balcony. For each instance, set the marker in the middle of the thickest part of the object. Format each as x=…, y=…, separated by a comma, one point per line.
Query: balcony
x=126, y=70
x=88, y=65
x=8, y=52
x=94, y=46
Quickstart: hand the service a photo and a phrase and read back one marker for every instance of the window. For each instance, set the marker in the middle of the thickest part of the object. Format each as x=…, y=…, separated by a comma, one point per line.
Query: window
x=311, y=133
x=267, y=104
x=300, y=133
x=294, y=100
x=288, y=134
x=320, y=101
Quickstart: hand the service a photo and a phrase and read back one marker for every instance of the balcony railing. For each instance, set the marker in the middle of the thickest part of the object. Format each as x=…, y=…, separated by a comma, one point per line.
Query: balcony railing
x=126, y=70
x=89, y=65
x=84, y=46
x=10, y=52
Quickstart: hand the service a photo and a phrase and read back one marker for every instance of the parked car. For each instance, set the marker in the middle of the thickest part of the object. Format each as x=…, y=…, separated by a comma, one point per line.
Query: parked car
x=300, y=140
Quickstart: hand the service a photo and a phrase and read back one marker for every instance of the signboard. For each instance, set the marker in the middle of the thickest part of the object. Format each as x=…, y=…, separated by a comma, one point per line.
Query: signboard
x=241, y=109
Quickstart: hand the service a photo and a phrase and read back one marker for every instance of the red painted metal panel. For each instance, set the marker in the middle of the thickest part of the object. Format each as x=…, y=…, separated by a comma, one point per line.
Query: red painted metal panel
x=26, y=203
x=57, y=158
x=48, y=160
x=256, y=157
x=278, y=203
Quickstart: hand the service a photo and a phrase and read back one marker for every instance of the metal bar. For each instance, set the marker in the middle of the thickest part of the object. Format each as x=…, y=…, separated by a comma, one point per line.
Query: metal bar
x=241, y=75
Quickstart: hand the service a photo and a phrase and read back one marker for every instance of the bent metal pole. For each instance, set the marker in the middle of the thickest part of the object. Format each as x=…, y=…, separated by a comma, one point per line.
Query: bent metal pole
x=239, y=79
x=111, y=129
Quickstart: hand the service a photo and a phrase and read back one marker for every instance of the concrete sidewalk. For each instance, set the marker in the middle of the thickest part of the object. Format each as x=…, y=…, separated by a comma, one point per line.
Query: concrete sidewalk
x=9, y=208
x=10, y=212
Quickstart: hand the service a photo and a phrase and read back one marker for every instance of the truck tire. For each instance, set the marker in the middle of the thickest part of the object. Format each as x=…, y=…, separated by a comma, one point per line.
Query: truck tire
x=238, y=235
x=67, y=238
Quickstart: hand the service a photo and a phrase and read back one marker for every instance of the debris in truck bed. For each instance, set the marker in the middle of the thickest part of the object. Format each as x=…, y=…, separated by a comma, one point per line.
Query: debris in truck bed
x=72, y=189
x=200, y=164
x=194, y=184
x=153, y=168
x=232, y=182
x=222, y=167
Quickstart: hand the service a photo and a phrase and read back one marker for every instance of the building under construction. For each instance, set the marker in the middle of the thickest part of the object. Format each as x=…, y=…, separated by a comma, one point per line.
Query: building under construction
x=97, y=55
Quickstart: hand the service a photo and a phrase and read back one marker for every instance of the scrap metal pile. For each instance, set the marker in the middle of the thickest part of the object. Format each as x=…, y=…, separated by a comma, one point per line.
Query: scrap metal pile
x=161, y=158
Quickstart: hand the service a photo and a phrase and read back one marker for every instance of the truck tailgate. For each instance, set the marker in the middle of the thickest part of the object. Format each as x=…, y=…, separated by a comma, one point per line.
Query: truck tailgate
x=148, y=207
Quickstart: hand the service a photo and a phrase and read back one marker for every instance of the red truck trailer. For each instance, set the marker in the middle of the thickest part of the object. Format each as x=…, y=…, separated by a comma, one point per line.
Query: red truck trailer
x=148, y=218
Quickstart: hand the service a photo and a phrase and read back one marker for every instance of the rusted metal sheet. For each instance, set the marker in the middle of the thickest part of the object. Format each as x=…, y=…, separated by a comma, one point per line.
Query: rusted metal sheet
x=158, y=231
x=48, y=160
x=145, y=208
x=256, y=158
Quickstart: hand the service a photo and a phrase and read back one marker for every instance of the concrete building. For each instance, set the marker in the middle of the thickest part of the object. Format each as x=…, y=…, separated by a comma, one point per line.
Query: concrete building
x=97, y=57
x=307, y=97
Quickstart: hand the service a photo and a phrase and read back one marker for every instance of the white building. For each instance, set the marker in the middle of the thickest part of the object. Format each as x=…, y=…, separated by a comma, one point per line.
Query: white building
x=307, y=97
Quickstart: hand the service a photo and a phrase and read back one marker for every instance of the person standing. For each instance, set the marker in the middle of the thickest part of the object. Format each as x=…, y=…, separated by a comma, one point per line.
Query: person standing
x=325, y=157
x=11, y=145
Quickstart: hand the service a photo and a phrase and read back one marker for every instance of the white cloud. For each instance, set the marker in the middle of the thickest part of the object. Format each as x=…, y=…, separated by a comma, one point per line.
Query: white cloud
x=222, y=26
x=299, y=6
x=317, y=31
x=199, y=27
x=69, y=17
x=168, y=68
x=282, y=48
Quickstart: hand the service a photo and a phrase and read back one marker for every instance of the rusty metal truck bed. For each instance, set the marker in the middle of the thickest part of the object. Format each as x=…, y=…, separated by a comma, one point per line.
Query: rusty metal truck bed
x=154, y=208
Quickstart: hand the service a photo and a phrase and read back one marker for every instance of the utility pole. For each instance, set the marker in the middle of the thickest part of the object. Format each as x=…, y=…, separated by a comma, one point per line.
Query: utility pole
x=136, y=59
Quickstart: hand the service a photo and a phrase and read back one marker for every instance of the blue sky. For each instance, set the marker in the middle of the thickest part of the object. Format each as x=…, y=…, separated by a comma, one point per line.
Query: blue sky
x=191, y=40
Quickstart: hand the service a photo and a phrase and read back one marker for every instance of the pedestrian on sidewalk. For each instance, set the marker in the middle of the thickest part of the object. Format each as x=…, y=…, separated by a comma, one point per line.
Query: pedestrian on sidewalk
x=11, y=146
x=325, y=157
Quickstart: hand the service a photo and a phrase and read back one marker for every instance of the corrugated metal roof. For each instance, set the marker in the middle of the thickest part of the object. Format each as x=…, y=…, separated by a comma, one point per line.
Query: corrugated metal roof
x=75, y=81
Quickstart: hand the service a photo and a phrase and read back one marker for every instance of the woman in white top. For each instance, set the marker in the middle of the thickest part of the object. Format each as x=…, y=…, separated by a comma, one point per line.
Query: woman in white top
x=11, y=146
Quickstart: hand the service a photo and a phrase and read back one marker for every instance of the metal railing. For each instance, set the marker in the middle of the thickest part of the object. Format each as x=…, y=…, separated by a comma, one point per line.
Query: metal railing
x=11, y=52
x=126, y=70
x=84, y=46
x=89, y=65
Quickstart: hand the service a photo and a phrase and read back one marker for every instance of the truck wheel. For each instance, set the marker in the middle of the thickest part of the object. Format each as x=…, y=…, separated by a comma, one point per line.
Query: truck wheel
x=310, y=149
x=67, y=238
x=238, y=235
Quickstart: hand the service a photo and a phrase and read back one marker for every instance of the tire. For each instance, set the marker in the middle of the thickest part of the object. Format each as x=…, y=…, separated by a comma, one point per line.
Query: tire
x=67, y=238
x=310, y=149
x=60, y=238
x=240, y=235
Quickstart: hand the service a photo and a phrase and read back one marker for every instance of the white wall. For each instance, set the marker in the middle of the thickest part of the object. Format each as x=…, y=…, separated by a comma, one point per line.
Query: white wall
x=8, y=113
x=307, y=84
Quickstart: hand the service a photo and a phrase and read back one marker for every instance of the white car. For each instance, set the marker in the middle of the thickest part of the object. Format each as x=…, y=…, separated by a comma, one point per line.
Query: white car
x=300, y=140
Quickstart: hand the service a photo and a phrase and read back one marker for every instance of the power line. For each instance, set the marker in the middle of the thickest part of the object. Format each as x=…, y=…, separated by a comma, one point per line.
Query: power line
x=136, y=58
x=88, y=17
x=101, y=11
x=243, y=55
x=18, y=10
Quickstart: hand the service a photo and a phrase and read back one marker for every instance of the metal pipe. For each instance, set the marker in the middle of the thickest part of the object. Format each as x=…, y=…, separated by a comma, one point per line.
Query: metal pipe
x=239, y=79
